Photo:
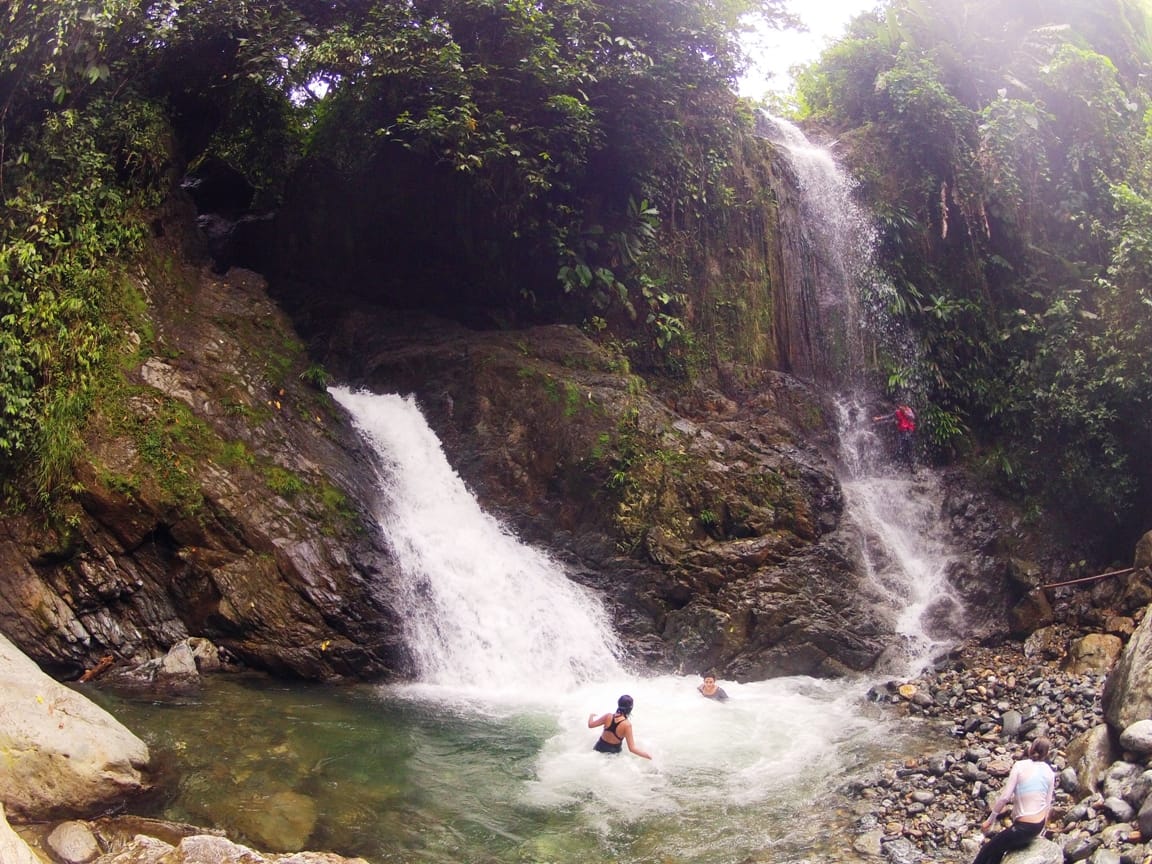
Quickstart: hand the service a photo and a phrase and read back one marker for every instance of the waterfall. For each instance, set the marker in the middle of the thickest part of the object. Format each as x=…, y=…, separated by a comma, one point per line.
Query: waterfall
x=826, y=241
x=482, y=610
x=828, y=262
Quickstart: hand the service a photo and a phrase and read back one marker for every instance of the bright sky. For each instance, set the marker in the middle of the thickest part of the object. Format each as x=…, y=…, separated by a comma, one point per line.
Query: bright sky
x=774, y=52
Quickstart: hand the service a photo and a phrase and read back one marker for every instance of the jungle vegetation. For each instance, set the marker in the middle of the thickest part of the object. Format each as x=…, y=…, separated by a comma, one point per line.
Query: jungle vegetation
x=1004, y=148
x=588, y=157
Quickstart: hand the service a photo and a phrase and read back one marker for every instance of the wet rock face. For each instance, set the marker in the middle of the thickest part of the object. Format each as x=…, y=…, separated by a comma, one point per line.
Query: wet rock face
x=708, y=521
x=222, y=496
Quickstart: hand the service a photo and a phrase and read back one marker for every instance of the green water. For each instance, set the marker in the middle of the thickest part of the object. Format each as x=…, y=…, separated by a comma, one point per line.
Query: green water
x=406, y=776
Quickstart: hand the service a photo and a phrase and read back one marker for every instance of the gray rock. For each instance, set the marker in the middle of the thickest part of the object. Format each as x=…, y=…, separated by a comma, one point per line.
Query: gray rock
x=1119, y=779
x=901, y=851
x=1081, y=848
x=1119, y=809
x=1039, y=851
x=1010, y=724
x=1144, y=818
x=1138, y=792
x=868, y=843
x=68, y=753
x=1137, y=738
x=1127, y=696
x=1068, y=781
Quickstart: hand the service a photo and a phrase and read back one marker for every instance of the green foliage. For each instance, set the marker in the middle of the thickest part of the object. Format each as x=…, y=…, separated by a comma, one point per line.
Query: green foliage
x=283, y=482
x=1005, y=148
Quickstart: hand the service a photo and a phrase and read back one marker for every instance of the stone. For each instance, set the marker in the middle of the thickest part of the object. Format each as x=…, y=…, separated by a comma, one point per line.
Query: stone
x=868, y=843
x=13, y=849
x=73, y=843
x=63, y=751
x=1010, y=724
x=1144, y=818
x=1090, y=755
x=1127, y=695
x=280, y=822
x=1119, y=809
x=1039, y=851
x=1137, y=737
x=1096, y=652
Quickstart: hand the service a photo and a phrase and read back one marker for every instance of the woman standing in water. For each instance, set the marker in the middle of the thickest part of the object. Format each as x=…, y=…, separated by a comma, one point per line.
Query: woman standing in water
x=1029, y=787
x=617, y=729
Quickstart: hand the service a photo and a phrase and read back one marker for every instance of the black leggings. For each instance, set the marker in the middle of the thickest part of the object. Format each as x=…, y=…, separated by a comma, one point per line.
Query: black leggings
x=1016, y=836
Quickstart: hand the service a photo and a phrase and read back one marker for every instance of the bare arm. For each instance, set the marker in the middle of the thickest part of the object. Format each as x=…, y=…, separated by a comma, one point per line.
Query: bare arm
x=594, y=721
x=1004, y=798
x=632, y=748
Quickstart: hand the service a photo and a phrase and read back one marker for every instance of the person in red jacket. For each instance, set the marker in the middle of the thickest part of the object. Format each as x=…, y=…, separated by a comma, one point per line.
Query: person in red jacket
x=905, y=419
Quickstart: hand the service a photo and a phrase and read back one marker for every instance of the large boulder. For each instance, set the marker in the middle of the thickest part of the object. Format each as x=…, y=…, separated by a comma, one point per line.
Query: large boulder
x=1128, y=690
x=13, y=849
x=61, y=753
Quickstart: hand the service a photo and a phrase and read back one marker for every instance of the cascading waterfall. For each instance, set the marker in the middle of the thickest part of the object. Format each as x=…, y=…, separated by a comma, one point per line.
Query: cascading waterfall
x=828, y=258
x=488, y=756
x=823, y=268
x=482, y=609
x=513, y=657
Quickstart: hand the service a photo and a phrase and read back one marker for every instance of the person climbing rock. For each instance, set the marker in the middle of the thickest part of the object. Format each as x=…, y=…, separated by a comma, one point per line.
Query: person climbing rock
x=617, y=729
x=905, y=419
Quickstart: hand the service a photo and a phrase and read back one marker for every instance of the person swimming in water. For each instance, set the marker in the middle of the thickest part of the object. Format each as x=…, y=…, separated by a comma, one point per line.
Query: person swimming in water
x=617, y=729
x=711, y=690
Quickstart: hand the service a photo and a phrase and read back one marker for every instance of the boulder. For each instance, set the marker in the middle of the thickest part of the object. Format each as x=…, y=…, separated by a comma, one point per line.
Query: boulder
x=1039, y=851
x=1096, y=652
x=1090, y=755
x=13, y=849
x=61, y=752
x=1127, y=695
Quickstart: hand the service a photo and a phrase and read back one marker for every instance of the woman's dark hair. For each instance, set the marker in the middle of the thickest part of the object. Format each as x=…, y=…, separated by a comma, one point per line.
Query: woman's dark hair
x=624, y=705
x=1039, y=749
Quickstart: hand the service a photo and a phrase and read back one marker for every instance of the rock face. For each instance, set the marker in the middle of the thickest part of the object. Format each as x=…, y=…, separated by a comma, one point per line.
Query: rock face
x=1127, y=694
x=222, y=497
x=60, y=751
x=710, y=521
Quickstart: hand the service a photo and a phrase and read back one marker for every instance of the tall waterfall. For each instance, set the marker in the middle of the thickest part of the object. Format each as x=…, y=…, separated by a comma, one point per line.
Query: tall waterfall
x=826, y=244
x=828, y=261
x=482, y=609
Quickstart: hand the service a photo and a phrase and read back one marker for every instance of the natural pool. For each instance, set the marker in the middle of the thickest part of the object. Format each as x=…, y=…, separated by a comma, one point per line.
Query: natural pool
x=423, y=773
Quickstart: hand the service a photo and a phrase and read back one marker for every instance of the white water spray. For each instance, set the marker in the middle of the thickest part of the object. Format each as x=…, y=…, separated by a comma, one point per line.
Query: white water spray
x=482, y=610
x=827, y=259
x=513, y=657
x=897, y=517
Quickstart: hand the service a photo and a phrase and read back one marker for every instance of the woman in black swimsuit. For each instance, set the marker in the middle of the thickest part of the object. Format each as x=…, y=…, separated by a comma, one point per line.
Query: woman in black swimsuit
x=617, y=729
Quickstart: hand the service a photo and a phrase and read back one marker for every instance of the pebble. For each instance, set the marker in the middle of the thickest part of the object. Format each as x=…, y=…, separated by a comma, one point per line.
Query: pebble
x=931, y=806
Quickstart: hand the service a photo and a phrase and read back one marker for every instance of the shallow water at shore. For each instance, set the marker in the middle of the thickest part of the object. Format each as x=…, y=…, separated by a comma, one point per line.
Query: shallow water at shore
x=447, y=775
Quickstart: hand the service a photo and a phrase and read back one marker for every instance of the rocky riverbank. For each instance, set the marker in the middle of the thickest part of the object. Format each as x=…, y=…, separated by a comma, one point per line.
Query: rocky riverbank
x=991, y=701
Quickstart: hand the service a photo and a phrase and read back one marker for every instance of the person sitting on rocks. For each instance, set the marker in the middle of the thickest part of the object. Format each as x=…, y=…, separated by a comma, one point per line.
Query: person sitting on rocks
x=1029, y=787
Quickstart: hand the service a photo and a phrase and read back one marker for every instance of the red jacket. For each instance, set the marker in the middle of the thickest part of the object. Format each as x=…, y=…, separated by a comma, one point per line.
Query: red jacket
x=905, y=419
